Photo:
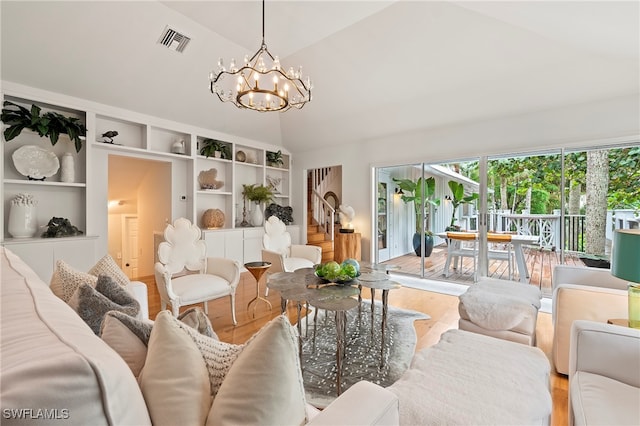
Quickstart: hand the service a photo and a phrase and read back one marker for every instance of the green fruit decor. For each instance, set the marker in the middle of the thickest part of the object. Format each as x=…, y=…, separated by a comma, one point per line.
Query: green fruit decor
x=339, y=273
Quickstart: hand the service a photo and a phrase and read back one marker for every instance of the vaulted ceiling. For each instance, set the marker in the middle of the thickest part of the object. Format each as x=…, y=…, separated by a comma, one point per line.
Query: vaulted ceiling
x=379, y=68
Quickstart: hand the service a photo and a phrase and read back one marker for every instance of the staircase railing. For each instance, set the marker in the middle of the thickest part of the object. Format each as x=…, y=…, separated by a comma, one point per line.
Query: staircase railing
x=323, y=213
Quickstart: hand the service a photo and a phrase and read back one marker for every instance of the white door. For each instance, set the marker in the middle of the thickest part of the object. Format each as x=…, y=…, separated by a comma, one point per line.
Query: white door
x=130, y=250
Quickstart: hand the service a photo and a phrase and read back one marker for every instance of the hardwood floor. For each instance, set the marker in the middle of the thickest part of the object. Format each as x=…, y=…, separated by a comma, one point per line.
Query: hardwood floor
x=443, y=310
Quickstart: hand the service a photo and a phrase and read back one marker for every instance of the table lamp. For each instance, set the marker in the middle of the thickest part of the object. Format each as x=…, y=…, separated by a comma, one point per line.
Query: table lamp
x=625, y=264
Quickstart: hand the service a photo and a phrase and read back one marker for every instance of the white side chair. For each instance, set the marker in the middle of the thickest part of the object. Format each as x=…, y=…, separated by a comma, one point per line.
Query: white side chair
x=284, y=256
x=184, y=275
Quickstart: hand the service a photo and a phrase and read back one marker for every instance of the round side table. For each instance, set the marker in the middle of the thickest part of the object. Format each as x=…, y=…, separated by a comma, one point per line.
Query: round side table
x=257, y=269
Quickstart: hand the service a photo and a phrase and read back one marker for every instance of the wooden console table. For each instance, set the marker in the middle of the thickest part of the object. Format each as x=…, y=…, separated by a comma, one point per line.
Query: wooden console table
x=347, y=245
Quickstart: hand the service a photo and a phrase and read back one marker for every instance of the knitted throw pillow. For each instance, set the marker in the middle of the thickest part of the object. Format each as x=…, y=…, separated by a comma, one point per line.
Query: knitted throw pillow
x=92, y=304
x=108, y=266
x=66, y=280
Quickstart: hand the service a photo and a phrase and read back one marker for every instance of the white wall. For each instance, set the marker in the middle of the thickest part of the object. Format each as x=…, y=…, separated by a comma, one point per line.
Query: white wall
x=609, y=121
x=154, y=203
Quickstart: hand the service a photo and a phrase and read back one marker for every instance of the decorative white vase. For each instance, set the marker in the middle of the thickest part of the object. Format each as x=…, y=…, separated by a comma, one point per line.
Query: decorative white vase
x=22, y=219
x=256, y=217
x=67, y=168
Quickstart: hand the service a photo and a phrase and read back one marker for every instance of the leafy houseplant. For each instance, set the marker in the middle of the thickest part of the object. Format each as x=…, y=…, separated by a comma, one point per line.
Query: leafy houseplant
x=258, y=194
x=274, y=159
x=413, y=192
x=208, y=148
x=50, y=124
x=458, y=198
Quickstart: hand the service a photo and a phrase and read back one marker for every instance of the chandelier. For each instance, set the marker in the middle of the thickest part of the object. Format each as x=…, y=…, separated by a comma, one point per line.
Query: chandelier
x=260, y=83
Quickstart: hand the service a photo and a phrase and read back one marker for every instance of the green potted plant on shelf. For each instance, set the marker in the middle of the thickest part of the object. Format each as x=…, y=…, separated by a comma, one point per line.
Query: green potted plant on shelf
x=457, y=199
x=412, y=191
x=275, y=159
x=258, y=194
x=50, y=124
x=210, y=148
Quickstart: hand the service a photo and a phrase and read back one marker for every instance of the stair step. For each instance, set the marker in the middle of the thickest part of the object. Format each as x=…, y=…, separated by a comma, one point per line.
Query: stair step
x=324, y=245
x=315, y=237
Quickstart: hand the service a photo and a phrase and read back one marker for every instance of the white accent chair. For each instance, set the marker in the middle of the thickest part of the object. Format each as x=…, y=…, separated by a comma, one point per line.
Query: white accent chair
x=284, y=256
x=184, y=275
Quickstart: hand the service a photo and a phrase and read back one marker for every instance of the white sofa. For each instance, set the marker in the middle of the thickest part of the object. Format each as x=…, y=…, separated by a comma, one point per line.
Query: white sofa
x=55, y=367
x=583, y=294
x=604, y=374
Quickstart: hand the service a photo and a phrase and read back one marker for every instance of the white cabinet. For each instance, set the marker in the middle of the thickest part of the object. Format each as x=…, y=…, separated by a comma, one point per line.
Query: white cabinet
x=227, y=244
x=253, y=244
x=41, y=255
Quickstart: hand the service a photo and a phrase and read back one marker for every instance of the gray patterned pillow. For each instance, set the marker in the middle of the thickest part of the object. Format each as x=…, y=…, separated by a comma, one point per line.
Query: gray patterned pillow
x=92, y=304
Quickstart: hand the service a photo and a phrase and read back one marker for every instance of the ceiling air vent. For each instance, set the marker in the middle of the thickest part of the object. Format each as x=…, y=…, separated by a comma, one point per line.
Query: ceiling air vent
x=173, y=40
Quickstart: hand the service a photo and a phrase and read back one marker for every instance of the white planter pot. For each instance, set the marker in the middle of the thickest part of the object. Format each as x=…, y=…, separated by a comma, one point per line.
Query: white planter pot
x=22, y=221
x=256, y=217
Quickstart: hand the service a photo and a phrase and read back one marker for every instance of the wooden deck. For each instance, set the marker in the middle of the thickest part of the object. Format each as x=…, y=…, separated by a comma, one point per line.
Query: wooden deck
x=540, y=263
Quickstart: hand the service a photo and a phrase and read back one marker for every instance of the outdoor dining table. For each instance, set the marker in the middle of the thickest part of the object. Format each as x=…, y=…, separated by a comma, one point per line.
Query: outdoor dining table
x=516, y=240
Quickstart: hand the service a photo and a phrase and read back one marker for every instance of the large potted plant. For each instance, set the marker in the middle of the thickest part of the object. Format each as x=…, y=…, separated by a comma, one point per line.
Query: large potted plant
x=50, y=124
x=413, y=192
x=457, y=199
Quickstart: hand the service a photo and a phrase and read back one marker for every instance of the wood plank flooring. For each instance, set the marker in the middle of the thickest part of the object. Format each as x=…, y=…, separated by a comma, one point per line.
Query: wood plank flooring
x=443, y=310
x=540, y=263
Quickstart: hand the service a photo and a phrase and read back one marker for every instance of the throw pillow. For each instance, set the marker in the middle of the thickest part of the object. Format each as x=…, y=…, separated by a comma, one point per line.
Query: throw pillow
x=218, y=356
x=264, y=385
x=197, y=319
x=108, y=266
x=66, y=280
x=93, y=303
x=174, y=380
x=128, y=336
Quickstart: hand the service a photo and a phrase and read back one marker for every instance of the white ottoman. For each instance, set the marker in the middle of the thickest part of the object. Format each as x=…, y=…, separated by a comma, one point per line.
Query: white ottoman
x=471, y=379
x=504, y=309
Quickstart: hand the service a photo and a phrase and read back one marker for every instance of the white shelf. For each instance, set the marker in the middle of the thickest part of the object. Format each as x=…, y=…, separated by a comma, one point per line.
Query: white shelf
x=240, y=163
x=47, y=240
x=44, y=183
x=116, y=147
x=214, y=192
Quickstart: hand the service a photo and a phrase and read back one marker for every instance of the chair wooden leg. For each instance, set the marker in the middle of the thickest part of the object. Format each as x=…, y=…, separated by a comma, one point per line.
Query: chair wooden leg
x=175, y=308
x=233, y=308
x=163, y=305
x=206, y=307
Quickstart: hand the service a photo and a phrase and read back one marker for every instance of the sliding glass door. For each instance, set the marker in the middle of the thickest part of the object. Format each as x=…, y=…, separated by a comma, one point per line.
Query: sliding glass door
x=512, y=217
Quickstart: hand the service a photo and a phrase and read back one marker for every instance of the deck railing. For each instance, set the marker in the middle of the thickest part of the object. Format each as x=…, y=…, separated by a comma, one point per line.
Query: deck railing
x=547, y=227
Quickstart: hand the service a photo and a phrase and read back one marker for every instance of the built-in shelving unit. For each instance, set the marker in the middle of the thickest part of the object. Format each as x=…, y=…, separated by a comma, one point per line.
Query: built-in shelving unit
x=137, y=136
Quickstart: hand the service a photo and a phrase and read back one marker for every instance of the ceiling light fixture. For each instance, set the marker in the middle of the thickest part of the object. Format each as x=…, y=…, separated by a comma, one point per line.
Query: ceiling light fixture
x=261, y=84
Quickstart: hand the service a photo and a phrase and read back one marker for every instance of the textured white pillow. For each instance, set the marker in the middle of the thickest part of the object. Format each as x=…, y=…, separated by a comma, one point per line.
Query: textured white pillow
x=66, y=280
x=217, y=355
x=174, y=380
x=264, y=385
x=108, y=266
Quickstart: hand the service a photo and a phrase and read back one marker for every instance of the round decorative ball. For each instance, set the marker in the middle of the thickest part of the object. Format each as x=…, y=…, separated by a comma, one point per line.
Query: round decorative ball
x=213, y=219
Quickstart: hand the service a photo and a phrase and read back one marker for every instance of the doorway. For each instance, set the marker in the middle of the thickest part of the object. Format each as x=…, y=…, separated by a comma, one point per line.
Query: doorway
x=139, y=194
